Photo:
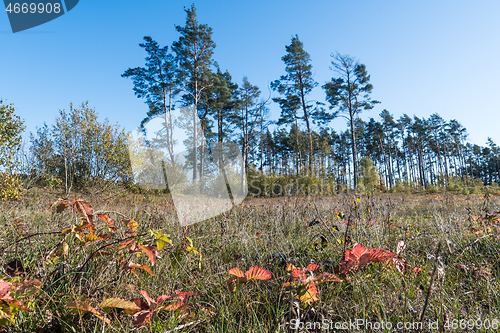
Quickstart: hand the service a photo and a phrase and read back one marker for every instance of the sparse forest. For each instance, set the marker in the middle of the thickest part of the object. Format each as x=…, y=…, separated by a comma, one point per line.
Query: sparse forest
x=386, y=221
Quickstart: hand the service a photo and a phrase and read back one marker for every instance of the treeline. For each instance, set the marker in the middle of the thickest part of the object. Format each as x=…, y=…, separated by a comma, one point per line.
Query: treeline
x=303, y=150
x=406, y=153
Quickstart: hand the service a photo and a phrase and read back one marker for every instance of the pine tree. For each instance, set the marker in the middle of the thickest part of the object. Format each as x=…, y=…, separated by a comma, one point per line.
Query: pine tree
x=295, y=86
x=157, y=84
x=349, y=93
x=194, y=51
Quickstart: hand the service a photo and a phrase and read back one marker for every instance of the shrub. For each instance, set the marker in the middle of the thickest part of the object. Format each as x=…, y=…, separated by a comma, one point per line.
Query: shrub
x=11, y=127
x=81, y=151
x=11, y=187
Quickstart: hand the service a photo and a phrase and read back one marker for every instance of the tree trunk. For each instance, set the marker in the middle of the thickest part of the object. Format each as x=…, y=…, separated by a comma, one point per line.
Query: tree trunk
x=354, y=152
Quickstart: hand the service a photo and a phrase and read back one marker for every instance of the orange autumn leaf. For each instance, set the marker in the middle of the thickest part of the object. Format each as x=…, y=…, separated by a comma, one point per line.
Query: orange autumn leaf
x=238, y=278
x=124, y=244
x=326, y=277
x=84, y=207
x=257, y=273
x=313, y=267
x=236, y=272
x=132, y=266
x=308, y=293
x=110, y=223
x=150, y=251
x=131, y=225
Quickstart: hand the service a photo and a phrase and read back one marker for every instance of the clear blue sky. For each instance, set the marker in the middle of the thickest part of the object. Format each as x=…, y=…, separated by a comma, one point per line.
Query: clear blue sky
x=423, y=56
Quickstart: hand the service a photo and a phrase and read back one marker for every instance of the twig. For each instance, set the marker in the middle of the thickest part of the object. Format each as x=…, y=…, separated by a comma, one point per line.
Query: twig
x=432, y=281
x=103, y=322
x=32, y=235
x=104, y=246
x=474, y=242
x=53, y=250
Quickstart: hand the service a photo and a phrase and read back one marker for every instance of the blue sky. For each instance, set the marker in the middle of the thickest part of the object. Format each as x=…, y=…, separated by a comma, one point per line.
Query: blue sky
x=423, y=56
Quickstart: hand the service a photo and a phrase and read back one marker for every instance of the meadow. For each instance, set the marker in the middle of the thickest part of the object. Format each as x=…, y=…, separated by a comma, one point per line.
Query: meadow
x=120, y=262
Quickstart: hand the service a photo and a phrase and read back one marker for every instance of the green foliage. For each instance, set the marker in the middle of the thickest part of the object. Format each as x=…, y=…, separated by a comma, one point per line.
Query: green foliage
x=11, y=187
x=80, y=150
x=431, y=188
x=349, y=93
x=11, y=127
x=194, y=51
x=368, y=175
x=157, y=84
x=295, y=86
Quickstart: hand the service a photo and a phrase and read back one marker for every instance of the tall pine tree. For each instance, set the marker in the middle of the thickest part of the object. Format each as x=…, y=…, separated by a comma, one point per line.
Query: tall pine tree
x=194, y=51
x=349, y=93
x=295, y=86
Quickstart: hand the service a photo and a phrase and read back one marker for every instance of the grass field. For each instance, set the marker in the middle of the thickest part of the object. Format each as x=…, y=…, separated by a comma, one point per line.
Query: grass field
x=445, y=274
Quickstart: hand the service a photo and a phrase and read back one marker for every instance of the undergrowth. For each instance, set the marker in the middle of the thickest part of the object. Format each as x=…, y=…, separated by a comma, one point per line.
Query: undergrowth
x=121, y=262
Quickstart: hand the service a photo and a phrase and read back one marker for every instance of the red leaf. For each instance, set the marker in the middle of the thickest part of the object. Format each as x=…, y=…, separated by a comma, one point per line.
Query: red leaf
x=313, y=267
x=378, y=255
x=140, y=303
x=109, y=222
x=326, y=277
x=150, y=251
x=236, y=272
x=85, y=207
x=257, y=273
x=5, y=287
x=148, y=299
x=299, y=275
x=182, y=295
x=359, y=254
x=141, y=318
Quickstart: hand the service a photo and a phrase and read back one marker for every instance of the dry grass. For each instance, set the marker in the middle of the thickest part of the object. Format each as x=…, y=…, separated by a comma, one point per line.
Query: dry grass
x=261, y=232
